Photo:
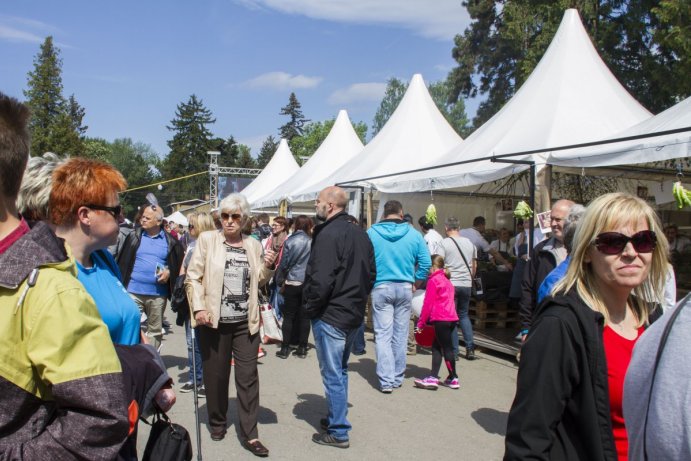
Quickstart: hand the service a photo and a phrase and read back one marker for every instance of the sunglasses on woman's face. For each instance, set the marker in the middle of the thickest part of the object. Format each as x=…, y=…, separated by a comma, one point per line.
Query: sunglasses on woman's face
x=114, y=210
x=613, y=243
x=235, y=217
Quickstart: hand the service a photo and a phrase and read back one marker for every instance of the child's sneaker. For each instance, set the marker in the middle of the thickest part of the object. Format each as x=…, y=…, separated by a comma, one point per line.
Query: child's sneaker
x=431, y=383
x=451, y=383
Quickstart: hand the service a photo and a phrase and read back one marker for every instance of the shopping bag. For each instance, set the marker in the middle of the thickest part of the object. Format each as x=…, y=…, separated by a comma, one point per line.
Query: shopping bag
x=167, y=441
x=269, y=327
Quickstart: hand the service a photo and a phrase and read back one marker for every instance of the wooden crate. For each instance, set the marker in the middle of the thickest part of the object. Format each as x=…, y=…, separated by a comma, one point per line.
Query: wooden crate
x=492, y=315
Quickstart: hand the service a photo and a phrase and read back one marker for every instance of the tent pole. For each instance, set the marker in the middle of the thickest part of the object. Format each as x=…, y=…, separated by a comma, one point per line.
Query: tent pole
x=369, y=209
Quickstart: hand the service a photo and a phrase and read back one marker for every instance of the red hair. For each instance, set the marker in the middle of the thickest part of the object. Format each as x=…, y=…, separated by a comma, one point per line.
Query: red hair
x=81, y=181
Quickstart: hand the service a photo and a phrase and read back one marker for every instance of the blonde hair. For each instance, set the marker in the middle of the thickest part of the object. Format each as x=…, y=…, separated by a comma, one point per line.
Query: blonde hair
x=204, y=222
x=604, y=214
x=439, y=263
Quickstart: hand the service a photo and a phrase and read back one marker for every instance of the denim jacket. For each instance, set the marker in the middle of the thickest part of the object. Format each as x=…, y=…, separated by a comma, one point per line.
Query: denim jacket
x=296, y=252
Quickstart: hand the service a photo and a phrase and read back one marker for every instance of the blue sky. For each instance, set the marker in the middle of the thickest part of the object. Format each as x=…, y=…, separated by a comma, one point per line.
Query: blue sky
x=129, y=63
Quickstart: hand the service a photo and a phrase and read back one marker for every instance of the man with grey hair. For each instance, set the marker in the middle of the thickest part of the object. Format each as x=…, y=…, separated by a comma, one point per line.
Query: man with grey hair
x=460, y=257
x=547, y=255
x=150, y=261
x=339, y=277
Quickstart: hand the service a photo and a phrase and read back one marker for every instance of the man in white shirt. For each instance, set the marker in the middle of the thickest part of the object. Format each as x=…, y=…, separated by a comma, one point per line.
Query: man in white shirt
x=432, y=237
x=474, y=234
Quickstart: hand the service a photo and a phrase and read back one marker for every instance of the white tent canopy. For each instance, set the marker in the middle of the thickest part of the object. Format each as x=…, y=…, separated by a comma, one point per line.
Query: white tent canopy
x=178, y=218
x=649, y=149
x=415, y=134
x=341, y=144
x=281, y=166
x=571, y=97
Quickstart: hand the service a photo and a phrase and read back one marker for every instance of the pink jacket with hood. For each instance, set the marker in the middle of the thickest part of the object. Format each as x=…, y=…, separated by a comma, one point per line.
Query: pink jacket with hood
x=438, y=305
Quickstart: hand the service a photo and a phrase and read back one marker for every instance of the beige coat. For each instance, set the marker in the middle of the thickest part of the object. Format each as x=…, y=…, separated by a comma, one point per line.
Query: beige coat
x=204, y=282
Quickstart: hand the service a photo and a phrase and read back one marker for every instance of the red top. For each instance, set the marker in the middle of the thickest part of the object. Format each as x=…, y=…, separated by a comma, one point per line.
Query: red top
x=618, y=352
x=13, y=236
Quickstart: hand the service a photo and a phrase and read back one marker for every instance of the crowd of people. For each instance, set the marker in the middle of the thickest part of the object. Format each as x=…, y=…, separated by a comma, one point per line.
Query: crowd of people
x=83, y=297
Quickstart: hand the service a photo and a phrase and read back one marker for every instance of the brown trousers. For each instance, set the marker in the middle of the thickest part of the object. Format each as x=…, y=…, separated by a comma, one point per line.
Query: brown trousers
x=218, y=347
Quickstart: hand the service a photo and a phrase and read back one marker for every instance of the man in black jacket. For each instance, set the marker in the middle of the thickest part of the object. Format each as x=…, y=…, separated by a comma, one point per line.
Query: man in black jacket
x=150, y=262
x=340, y=275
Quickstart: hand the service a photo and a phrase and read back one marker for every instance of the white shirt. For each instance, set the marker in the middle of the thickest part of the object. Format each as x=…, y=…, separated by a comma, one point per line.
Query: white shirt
x=476, y=237
x=433, y=240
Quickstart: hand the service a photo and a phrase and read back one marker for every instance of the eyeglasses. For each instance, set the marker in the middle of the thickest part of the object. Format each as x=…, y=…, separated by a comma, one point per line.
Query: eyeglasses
x=613, y=243
x=190, y=227
x=114, y=210
x=235, y=217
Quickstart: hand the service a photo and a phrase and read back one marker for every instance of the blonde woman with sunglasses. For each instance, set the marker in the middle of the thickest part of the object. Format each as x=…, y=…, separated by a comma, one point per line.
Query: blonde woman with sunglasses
x=570, y=380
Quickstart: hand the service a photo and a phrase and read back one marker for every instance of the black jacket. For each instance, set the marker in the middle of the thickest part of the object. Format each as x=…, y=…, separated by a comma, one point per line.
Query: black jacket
x=542, y=263
x=340, y=273
x=561, y=408
x=128, y=254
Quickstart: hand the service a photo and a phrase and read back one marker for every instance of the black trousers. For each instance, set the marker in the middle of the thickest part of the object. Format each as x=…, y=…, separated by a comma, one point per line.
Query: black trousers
x=443, y=345
x=295, y=323
x=218, y=347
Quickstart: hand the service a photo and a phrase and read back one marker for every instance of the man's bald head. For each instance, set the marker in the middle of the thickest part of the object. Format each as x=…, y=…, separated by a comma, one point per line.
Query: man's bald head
x=331, y=200
x=560, y=210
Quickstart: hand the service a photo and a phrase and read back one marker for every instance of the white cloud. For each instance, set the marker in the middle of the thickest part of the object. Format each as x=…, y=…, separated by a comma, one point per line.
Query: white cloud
x=254, y=143
x=358, y=92
x=15, y=35
x=283, y=81
x=436, y=19
x=16, y=29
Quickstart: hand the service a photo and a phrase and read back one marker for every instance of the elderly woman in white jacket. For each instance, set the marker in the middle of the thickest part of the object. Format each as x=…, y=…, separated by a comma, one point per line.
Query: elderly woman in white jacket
x=222, y=285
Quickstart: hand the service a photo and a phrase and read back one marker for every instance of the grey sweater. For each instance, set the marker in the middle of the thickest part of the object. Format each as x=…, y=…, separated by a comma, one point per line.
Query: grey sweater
x=669, y=419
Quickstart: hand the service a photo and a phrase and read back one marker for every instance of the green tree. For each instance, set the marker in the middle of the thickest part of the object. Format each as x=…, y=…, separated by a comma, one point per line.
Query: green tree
x=507, y=38
x=268, y=150
x=294, y=126
x=228, y=150
x=245, y=159
x=453, y=111
x=395, y=90
x=188, y=149
x=314, y=135
x=55, y=124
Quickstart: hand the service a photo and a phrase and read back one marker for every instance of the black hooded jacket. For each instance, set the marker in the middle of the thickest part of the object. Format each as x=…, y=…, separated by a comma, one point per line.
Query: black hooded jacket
x=340, y=273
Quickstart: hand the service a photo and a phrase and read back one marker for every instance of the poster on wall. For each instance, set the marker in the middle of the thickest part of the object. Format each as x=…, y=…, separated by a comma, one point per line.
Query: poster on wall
x=545, y=222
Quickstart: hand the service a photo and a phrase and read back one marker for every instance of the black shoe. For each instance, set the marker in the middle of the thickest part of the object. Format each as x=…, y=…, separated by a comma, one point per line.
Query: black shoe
x=256, y=448
x=324, y=423
x=329, y=440
x=362, y=352
x=187, y=387
x=218, y=434
x=301, y=352
x=470, y=354
x=283, y=353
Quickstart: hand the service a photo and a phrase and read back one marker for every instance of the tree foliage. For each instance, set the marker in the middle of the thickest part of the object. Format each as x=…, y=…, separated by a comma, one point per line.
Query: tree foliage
x=303, y=147
x=55, y=124
x=395, y=89
x=188, y=149
x=245, y=159
x=644, y=42
x=268, y=150
x=294, y=126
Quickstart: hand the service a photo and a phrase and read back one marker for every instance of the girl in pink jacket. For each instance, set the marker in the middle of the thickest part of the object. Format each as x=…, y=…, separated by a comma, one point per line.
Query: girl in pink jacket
x=439, y=310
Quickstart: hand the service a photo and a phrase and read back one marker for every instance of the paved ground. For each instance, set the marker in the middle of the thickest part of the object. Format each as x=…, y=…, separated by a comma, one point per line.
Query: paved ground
x=410, y=424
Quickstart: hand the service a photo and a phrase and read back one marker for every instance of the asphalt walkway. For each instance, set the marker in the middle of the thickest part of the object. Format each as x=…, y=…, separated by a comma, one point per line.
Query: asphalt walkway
x=410, y=424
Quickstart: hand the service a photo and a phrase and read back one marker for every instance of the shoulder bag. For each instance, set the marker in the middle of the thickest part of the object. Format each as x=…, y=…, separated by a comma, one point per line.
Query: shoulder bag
x=476, y=285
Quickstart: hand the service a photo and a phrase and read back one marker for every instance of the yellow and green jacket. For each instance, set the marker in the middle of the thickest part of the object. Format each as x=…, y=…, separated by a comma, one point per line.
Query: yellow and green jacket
x=61, y=388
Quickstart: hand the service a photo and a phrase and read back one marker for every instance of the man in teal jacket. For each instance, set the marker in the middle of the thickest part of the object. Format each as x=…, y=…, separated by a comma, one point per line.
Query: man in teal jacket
x=402, y=263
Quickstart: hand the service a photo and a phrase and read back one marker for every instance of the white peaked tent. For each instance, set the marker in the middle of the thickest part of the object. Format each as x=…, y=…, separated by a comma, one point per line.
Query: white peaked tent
x=415, y=134
x=341, y=144
x=648, y=149
x=571, y=97
x=281, y=166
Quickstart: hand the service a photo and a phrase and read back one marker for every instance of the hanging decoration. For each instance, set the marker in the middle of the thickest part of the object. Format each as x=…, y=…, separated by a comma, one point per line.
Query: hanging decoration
x=682, y=196
x=523, y=210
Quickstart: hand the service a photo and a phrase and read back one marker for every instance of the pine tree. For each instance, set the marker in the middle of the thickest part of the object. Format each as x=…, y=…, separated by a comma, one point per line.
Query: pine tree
x=294, y=127
x=267, y=151
x=395, y=90
x=245, y=159
x=55, y=123
x=188, y=149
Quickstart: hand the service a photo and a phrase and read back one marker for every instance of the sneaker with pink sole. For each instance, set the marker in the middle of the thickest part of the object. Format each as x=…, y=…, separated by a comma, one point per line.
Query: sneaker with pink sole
x=430, y=383
x=451, y=383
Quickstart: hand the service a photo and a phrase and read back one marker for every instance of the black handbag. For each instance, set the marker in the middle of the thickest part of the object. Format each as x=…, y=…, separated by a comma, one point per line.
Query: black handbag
x=178, y=300
x=476, y=289
x=167, y=441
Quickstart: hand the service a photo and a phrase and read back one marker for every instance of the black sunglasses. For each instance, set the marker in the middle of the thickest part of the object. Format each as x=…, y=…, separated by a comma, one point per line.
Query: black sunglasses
x=235, y=217
x=114, y=210
x=613, y=243
x=190, y=227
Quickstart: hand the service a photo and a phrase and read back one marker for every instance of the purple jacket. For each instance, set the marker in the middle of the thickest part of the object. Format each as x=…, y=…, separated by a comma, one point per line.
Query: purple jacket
x=439, y=303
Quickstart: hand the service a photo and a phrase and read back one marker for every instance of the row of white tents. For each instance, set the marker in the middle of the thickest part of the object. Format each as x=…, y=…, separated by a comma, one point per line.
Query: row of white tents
x=571, y=98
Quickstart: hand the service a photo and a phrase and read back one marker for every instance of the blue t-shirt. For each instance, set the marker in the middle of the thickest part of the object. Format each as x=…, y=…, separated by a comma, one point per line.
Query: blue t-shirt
x=151, y=251
x=552, y=279
x=118, y=311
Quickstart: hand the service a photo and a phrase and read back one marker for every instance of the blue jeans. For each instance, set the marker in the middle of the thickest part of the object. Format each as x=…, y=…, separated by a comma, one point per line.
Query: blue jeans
x=333, y=350
x=462, y=298
x=392, y=306
x=197, y=354
x=359, y=341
